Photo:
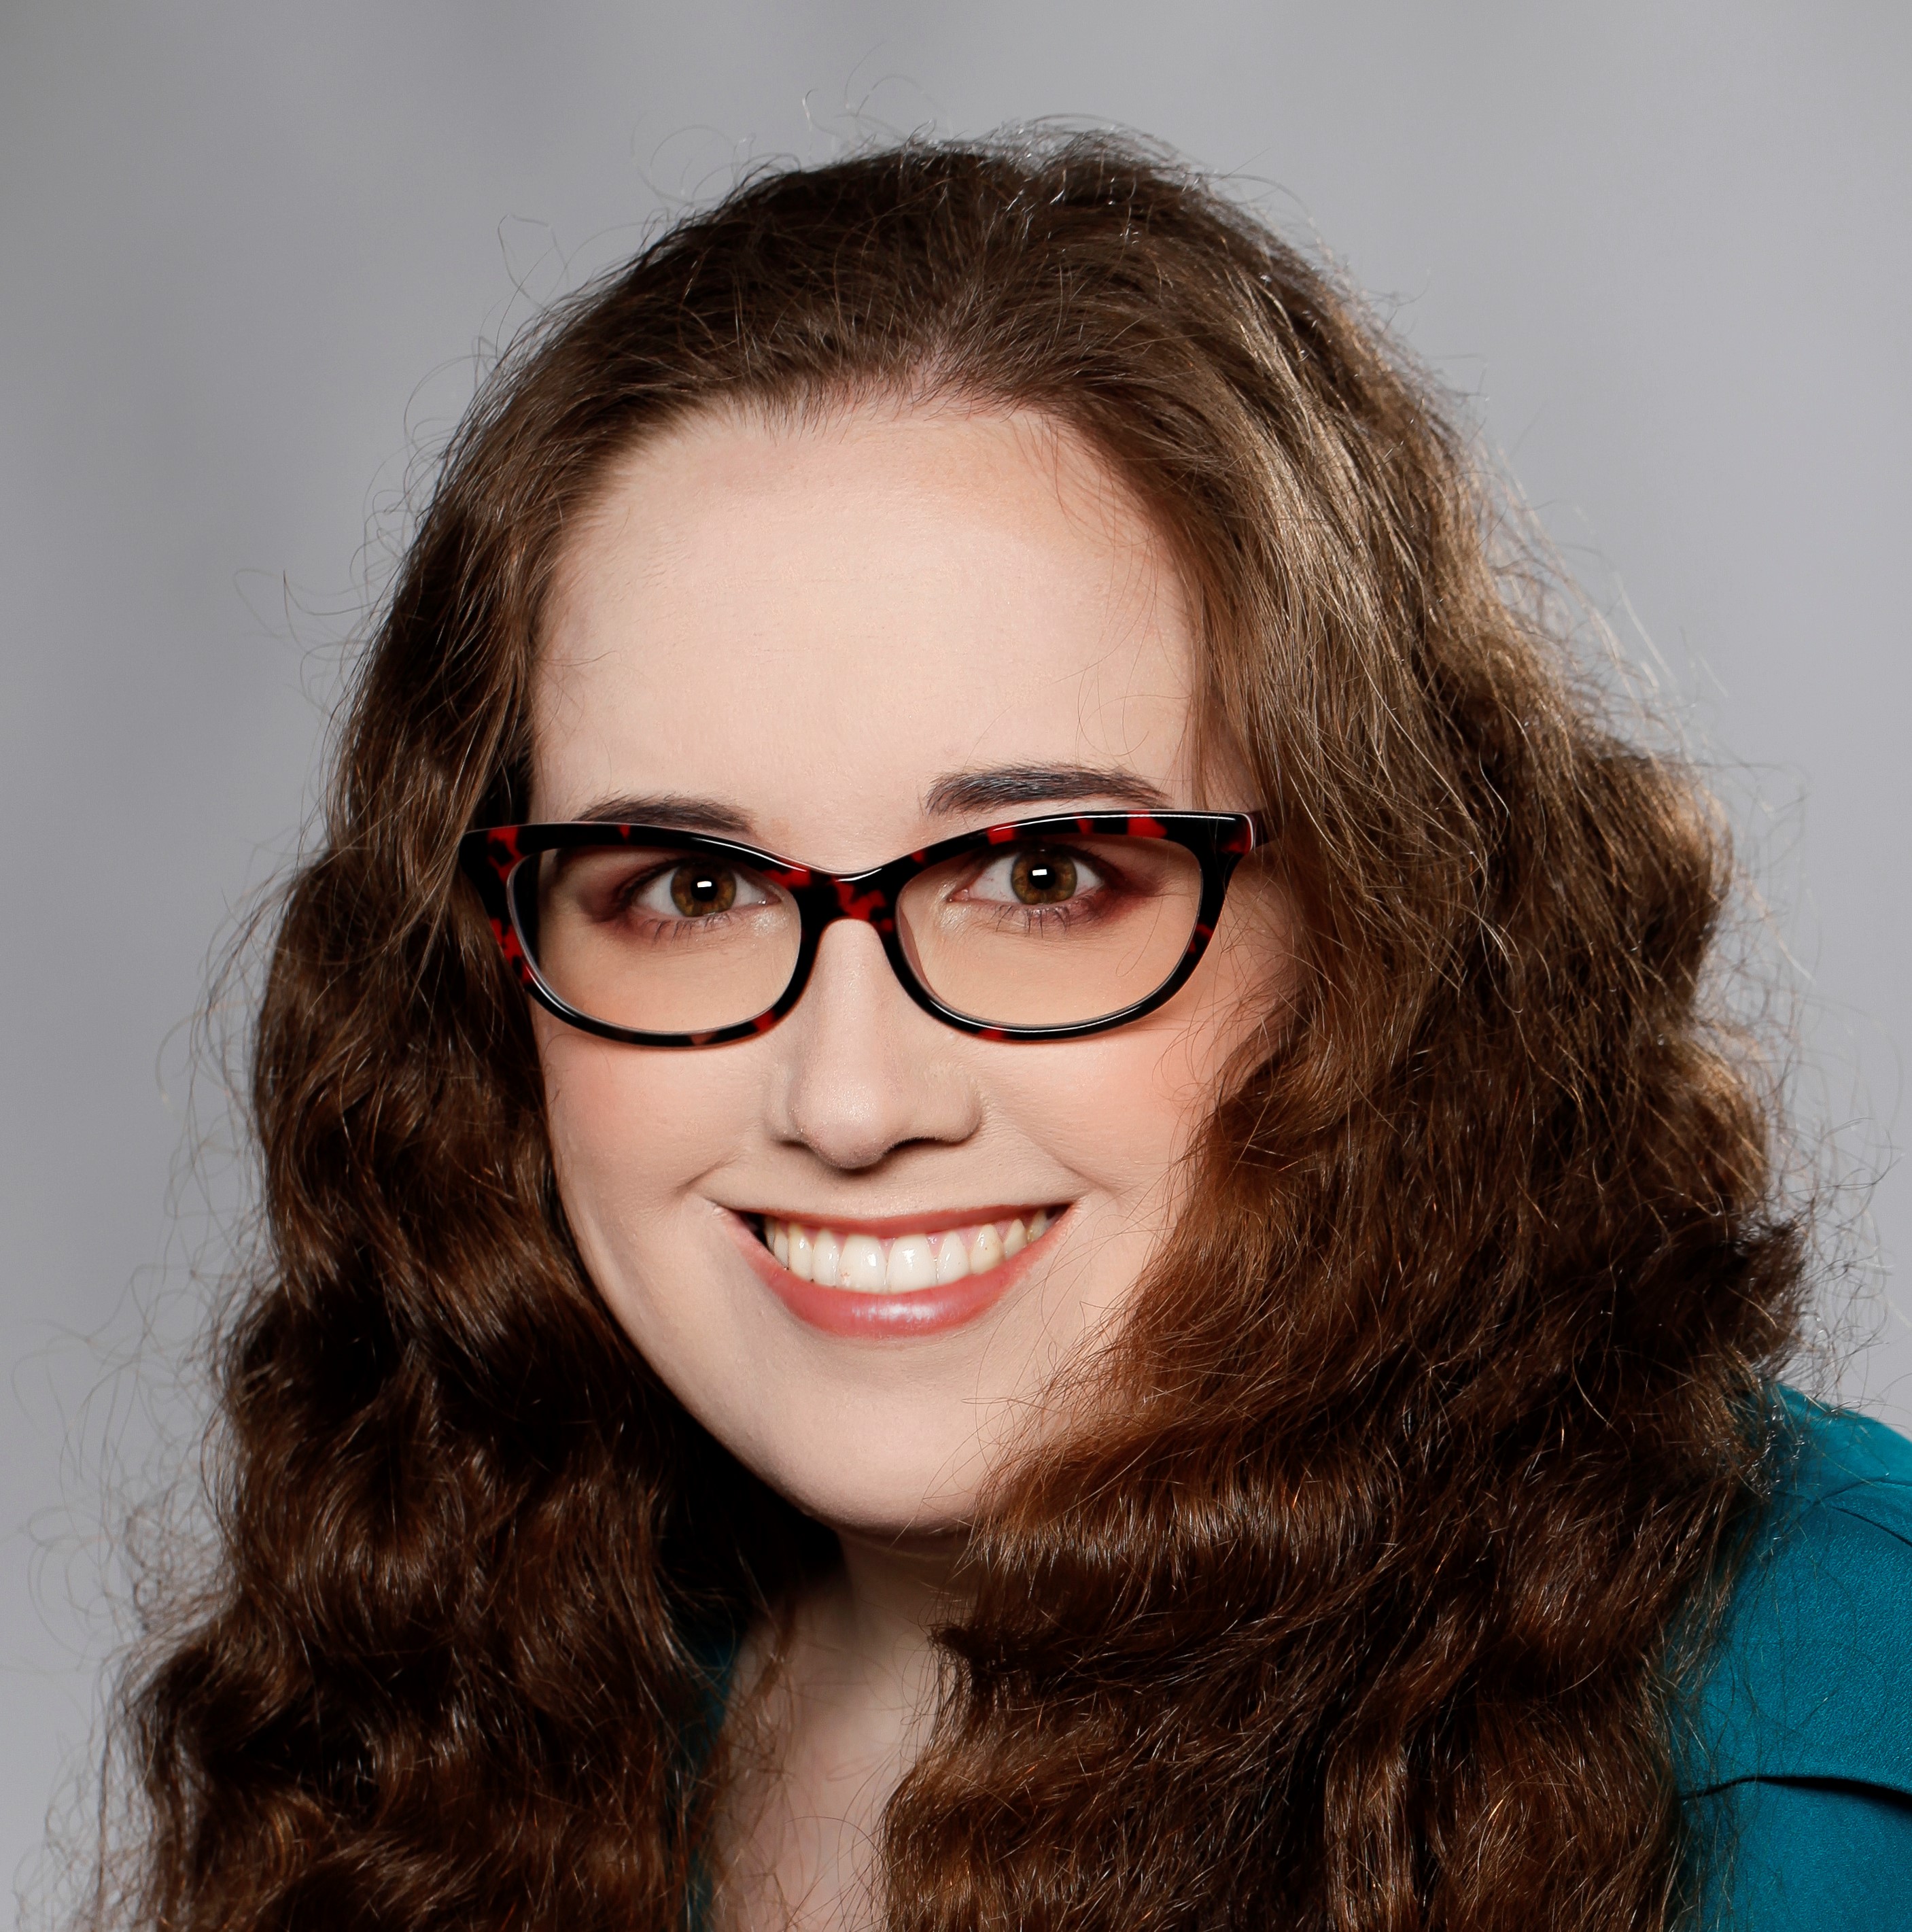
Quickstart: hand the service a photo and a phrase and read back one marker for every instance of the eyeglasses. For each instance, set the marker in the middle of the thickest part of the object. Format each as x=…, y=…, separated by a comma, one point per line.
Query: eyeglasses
x=1049, y=928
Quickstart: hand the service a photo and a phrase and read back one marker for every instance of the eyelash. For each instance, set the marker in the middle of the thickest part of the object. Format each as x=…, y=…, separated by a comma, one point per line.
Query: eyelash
x=1033, y=919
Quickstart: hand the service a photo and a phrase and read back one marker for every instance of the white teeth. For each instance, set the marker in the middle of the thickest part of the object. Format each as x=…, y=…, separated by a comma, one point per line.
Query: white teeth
x=911, y=1263
x=824, y=1260
x=862, y=1264
x=868, y=1264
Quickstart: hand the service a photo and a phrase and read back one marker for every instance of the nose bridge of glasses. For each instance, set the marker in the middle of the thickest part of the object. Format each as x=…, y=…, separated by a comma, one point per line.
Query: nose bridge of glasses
x=867, y=898
x=827, y=897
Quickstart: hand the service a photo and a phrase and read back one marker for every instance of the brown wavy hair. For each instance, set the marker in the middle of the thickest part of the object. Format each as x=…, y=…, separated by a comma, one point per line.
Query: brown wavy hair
x=1349, y=1603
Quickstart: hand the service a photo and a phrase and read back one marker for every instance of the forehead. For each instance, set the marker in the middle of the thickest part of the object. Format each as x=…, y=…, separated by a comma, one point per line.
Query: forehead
x=815, y=623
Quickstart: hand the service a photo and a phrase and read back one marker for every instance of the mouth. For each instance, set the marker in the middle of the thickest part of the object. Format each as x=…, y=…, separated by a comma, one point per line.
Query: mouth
x=901, y=1277
x=853, y=1258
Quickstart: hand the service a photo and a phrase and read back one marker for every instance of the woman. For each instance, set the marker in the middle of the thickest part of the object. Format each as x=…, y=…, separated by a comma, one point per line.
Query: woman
x=1001, y=1193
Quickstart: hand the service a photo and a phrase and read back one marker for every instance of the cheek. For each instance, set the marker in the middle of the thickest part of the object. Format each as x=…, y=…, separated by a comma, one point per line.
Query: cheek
x=1116, y=1110
x=632, y=1130
x=1125, y=1107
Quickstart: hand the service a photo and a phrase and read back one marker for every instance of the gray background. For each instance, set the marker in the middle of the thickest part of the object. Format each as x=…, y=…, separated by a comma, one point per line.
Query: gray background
x=249, y=253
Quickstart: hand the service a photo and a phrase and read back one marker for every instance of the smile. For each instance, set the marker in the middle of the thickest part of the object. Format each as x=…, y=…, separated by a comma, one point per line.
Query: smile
x=870, y=1264
x=892, y=1280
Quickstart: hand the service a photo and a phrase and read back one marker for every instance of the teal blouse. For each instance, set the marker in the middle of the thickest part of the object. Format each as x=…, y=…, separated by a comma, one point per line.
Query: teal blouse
x=1796, y=1776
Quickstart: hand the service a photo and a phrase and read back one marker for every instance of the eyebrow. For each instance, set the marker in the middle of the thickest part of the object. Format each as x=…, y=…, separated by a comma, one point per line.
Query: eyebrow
x=679, y=811
x=1039, y=784
x=992, y=789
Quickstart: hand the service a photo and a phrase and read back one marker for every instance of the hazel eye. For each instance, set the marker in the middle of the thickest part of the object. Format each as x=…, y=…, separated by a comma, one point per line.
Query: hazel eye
x=1042, y=877
x=698, y=889
x=698, y=892
x=1034, y=876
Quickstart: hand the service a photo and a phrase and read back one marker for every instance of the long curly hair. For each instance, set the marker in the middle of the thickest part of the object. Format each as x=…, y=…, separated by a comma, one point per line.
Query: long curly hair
x=1351, y=1601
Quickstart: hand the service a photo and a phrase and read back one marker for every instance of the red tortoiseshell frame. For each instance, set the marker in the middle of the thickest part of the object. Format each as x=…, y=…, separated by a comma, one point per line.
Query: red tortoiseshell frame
x=1219, y=841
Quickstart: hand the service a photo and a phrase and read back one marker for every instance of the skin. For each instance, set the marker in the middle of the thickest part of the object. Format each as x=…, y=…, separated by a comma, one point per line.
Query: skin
x=815, y=629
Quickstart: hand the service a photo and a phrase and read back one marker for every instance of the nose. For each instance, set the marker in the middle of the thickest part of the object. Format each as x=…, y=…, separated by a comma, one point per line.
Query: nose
x=866, y=1071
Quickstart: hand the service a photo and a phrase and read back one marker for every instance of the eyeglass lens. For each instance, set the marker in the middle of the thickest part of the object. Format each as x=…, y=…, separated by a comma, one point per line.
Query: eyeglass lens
x=1045, y=932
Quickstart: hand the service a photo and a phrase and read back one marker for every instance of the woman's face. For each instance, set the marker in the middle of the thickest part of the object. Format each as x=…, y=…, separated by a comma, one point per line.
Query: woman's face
x=840, y=643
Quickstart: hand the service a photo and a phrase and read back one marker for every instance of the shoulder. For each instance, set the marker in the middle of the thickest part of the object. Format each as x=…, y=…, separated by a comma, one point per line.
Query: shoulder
x=1811, y=1675
x=1797, y=1759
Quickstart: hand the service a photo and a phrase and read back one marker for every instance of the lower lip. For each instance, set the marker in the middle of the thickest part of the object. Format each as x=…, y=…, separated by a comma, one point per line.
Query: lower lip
x=923, y=1311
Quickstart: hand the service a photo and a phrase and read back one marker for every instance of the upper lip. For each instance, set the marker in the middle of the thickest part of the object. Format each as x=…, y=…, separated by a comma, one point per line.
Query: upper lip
x=887, y=1226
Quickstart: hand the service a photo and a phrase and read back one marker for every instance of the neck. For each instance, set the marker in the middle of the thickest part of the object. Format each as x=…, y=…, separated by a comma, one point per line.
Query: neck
x=849, y=1714
x=872, y=1619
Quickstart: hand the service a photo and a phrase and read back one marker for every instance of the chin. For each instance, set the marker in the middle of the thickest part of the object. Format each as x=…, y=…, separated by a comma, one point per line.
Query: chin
x=902, y=1501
